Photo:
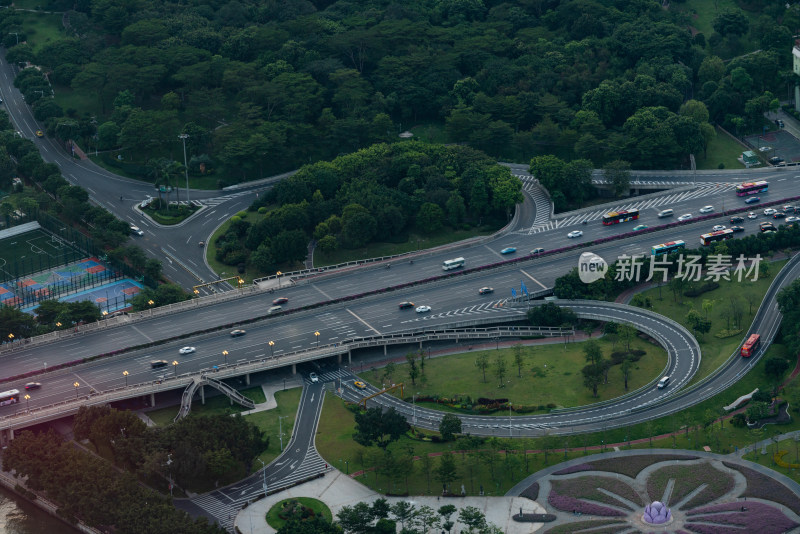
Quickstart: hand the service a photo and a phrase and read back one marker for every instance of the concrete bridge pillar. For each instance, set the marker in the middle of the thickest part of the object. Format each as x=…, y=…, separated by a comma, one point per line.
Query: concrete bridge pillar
x=386, y=349
x=202, y=395
x=247, y=379
x=420, y=344
x=339, y=358
x=294, y=368
x=349, y=357
x=7, y=437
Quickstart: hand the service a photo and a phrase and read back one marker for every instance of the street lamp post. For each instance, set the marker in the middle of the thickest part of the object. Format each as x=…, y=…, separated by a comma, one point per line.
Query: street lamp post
x=271, y=349
x=414, y=407
x=278, y=274
x=183, y=137
x=509, y=422
x=264, y=472
x=175, y=366
x=280, y=429
x=225, y=353
x=28, y=402
x=347, y=464
x=317, y=334
x=77, y=385
x=125, y=374
x=169, y=462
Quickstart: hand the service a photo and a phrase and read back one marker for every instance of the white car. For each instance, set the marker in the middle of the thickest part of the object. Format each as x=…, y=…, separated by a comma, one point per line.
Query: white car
x=136, y=230
x=792, y=219
x=718, y=227
x=752, y=215
x=423, y=309
x=770, y=211
x=187, y=350
x=685, y=217
x=313, y=377
x=575, y=233
x=706, y=209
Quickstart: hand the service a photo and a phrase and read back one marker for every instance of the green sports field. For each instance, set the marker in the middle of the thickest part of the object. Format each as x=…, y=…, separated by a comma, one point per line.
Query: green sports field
x=32, y=252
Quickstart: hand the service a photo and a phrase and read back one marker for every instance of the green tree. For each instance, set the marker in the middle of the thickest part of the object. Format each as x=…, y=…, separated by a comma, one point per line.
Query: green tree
x=449, y=426
x=430, y=218
x=379, y=427
x=618, y=174
x=413, y=369
x=625, y=368
x=482, y=363
x=775, y=367
x=446, y=471
x=519, y=358
x=500, y=368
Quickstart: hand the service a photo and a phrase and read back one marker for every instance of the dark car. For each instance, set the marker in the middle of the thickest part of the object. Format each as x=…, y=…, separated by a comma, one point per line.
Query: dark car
x=485, y=290
x=155, y=364
x=737, y=229
x=775, y=160
x=280, y=300
x=778, y=215
x=752, y=200
x=404, y=305
x=736, y=220
x=33, y=385
x=768, y=227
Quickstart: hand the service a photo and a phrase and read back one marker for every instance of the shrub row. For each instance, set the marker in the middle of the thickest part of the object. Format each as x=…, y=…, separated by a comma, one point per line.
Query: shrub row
x=699, y=290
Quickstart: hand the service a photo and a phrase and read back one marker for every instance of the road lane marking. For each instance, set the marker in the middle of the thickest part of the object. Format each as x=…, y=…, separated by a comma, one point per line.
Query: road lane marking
x=532, y=278
x=323, y=293
x=142, y=333
x=365, y=323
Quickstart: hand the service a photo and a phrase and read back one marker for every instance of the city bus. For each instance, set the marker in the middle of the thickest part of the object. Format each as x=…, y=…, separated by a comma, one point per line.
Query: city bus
x=452, y=264
x=615, y=217
x=9, y=397
x=666, y=248
x=751, y=345
x=751, y=188
x=713, y=237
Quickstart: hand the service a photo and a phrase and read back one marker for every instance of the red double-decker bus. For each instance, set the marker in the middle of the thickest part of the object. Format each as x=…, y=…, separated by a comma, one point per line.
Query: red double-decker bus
x=615, y=217
x=751, y=345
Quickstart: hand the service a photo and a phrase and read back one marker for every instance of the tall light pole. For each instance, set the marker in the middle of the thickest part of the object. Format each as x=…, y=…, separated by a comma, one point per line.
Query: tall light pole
x=28, y=402
x=414, y=406
x=225, y=353
x=183, y=137
x=317, y=334
x=271, y=349
x=278, y=274
x=77, y=385
x=175, y=366
x=264, y=472
x=125, y=374
x=280, y=429
x=169, y=461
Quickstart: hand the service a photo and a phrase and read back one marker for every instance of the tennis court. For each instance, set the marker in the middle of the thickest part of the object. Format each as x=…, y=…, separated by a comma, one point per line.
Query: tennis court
x=109, y=298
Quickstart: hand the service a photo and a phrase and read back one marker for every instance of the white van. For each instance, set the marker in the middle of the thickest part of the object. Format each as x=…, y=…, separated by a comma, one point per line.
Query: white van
x=666, y=213
x=663, y=382
x=275, y=309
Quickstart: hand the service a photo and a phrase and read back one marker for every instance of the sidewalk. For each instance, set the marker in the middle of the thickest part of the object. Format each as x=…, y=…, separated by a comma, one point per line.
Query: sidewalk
x=337, y=490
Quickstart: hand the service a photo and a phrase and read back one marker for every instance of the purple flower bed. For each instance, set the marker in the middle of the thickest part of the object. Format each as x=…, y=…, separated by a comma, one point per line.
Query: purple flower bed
x=565, y=503
x=586, y=487
x=575, y=469
x=633, y=465
x=761, y=486
x=531, y=492
x=569, y=528
x=687, y=479
x=757, y=517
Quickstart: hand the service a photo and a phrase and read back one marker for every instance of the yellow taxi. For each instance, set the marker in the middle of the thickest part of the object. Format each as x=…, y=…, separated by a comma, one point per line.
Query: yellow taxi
x=39, y=133
x=359, y=384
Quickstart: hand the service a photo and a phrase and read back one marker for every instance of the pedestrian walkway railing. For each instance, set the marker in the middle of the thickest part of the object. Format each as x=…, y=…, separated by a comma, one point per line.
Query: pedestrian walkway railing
x=203, y=380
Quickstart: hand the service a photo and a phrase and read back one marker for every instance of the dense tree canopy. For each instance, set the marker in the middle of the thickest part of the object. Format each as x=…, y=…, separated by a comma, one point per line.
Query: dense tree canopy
x=269, y=86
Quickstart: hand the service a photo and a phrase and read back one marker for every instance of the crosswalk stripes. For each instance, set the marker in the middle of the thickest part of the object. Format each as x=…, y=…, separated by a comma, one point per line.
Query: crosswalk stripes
x=216, y=201
x=488, y=307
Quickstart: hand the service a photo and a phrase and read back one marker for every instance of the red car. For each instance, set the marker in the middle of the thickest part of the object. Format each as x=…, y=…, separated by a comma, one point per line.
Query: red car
x=280, y=300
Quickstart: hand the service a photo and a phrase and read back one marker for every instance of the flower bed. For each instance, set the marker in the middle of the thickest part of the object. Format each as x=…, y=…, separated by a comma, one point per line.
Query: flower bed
x=566, y=503
x=756, y=517
x=632, y=465
x=588, y=488
x=760, y=486
x=531, y=492
x=575, y=469
x=688, y=478
x=577, y=526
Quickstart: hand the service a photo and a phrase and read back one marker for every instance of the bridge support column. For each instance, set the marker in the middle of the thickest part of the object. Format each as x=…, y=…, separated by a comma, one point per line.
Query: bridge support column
x=202, y=395
x=247, y=379
x=294, y=368
x=339, y=358
x=386, y=349
x=152, y=400
x=420, y=344
x=349, y=357
x=7, y=437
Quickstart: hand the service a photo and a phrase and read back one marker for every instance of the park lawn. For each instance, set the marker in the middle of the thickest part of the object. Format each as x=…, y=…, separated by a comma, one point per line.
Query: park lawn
x=550, y=374
x=41, y=28
x=414, y=243
x=320, y=510
x=430, y=132
x=722, y=149
x=715, y=351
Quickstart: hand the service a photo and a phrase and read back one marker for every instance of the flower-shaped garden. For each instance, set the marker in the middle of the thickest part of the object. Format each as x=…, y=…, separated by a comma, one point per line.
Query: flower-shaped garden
x=700, y=495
